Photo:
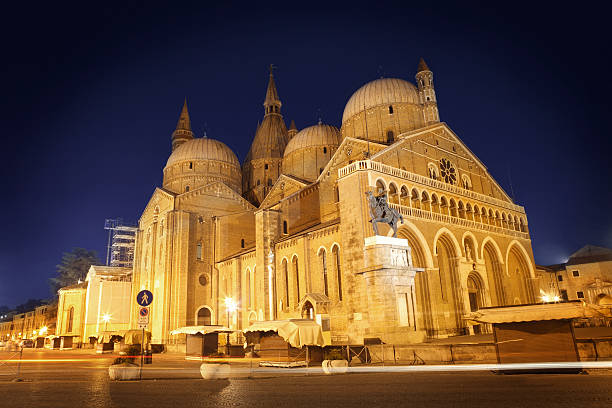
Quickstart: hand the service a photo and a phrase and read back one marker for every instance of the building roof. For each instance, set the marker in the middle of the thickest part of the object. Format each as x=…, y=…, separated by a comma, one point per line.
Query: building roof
x=203, y=149
x=546, y=311
x=314, y=136
x=383, y=91
x=589, y=254
x=82, y=285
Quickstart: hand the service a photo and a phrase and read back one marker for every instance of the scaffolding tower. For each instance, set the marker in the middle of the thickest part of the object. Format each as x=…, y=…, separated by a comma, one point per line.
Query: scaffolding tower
x=121, y=243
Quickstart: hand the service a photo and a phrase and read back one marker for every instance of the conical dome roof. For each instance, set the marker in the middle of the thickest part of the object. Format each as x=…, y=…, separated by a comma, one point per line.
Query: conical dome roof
x=270, y=139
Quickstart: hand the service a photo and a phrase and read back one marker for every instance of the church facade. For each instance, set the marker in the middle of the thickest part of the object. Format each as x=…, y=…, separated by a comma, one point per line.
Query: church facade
x=287, y=234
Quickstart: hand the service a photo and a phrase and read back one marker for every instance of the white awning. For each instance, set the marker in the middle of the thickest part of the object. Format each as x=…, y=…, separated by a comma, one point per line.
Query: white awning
x=546, y=311
x=297, y=332
x=201, y=330
x=133, y=336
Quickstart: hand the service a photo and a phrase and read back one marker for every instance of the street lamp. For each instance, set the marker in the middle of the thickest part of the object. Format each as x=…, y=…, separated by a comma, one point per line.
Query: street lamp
x=106, y=318
x=230, y=306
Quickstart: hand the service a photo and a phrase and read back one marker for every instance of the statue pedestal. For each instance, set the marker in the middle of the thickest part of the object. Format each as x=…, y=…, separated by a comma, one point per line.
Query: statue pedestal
x=388, y=274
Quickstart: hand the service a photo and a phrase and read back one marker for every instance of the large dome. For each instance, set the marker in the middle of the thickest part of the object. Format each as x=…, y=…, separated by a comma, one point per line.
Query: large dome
x=384, y=91
x=309, y=150
x=202, y=161
x=203, y=149
x=314, y=136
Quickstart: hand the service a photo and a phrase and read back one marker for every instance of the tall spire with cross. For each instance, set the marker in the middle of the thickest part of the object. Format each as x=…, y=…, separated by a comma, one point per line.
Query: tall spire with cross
x=262, y=166
x=272, y=103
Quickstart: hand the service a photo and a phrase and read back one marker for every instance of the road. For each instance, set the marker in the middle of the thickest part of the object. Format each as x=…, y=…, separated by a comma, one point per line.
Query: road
x=77, y=379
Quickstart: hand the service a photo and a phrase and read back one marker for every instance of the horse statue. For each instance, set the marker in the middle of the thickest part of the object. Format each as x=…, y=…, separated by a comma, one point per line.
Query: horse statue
x=381, y=212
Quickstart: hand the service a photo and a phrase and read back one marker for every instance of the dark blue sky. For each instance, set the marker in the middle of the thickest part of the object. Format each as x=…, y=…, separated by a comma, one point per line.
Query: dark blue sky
x=92, y=94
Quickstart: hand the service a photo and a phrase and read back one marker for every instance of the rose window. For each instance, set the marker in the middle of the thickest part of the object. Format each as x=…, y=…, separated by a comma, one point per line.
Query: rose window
x=447, y=171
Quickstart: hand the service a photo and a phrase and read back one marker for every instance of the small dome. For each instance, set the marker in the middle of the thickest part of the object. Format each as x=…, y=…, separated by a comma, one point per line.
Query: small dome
x=203, y=149
x=384, y=91
x=314, y=136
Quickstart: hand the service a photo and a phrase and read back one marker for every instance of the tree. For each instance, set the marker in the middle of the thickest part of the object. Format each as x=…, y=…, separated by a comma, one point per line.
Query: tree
x=73, y=268
x=29, y=305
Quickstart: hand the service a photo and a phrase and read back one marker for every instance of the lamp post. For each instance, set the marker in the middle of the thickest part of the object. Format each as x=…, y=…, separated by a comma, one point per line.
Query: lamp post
x=106, y=318
x=230, y=306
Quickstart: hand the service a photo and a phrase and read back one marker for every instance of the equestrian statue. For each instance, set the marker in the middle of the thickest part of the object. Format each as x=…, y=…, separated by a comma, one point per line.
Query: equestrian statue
x=381, y=212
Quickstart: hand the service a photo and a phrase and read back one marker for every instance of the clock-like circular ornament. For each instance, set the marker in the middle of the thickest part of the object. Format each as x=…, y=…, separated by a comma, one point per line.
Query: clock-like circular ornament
x=447, y=171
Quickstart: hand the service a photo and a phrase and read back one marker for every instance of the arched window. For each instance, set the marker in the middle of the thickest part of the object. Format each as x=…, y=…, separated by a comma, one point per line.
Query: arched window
x=286, y=276
x=285, y=227
x=186, y=188
x=390, y=136
x=467, y=183
x=199, y=251
x=432, y=169
x=296, y=274
x=380, y=186
x=204, y=317
x=190, y=165
x=403, y=195
x=323, y=257
x=242, y=243
x=390, y=110
x=336, y=194
x=336, y=254
x=325, y=150
x=269, y=182
x=266, y=166
x=258, y=182
x=393, y=197
x=248, y=289
x=70, y=320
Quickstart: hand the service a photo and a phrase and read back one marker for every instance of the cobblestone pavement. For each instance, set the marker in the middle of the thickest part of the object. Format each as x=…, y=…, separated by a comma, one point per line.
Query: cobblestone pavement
x=80, y=379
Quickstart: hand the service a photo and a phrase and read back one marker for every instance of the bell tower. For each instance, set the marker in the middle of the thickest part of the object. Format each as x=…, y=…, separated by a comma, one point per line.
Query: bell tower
x=427, y=93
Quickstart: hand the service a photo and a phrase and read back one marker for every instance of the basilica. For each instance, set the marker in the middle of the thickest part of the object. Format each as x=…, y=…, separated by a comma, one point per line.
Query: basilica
x=288, y=233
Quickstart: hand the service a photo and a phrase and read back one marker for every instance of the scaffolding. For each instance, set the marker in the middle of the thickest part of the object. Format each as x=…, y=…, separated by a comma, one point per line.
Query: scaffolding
x=121, y=242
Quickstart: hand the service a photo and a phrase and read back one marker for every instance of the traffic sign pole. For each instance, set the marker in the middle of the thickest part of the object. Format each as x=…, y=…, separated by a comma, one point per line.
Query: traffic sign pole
x=144, y=299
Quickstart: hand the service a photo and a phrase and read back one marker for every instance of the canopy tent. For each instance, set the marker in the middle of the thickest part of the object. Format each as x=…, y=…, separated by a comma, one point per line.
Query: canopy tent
x=297, y=332
x=129, y=336
x=540, y=312
x=201, y=330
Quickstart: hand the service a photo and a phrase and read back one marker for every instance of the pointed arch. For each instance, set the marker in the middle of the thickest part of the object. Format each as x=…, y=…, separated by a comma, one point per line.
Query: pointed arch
x=491, y=255
x=421, y=255
x=495, y=246
x=455, y=243
x=469, y=235
x=525, y=254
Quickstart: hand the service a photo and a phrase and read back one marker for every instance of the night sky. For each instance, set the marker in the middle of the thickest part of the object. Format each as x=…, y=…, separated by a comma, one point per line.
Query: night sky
x=92, y=95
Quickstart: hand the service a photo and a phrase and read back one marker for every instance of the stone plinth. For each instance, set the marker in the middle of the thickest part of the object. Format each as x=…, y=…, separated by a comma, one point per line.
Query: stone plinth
x=388, y=275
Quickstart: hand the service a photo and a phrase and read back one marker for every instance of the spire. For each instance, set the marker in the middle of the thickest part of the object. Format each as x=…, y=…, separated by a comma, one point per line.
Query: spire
x=183, y=132
x=272, y=103
x=184, y=123
x=293, y=130
x=422, y=66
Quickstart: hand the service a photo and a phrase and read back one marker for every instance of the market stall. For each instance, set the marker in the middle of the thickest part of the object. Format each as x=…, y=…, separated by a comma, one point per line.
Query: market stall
x=201, y=341
x=539, y=333
x=287, y=340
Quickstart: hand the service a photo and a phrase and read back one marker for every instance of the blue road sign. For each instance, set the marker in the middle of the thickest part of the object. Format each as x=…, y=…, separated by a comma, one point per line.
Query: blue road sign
x=144, y=298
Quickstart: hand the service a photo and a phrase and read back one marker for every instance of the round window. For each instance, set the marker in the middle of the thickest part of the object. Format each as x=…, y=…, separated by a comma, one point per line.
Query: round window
x=203, y=280
x=447, y=171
